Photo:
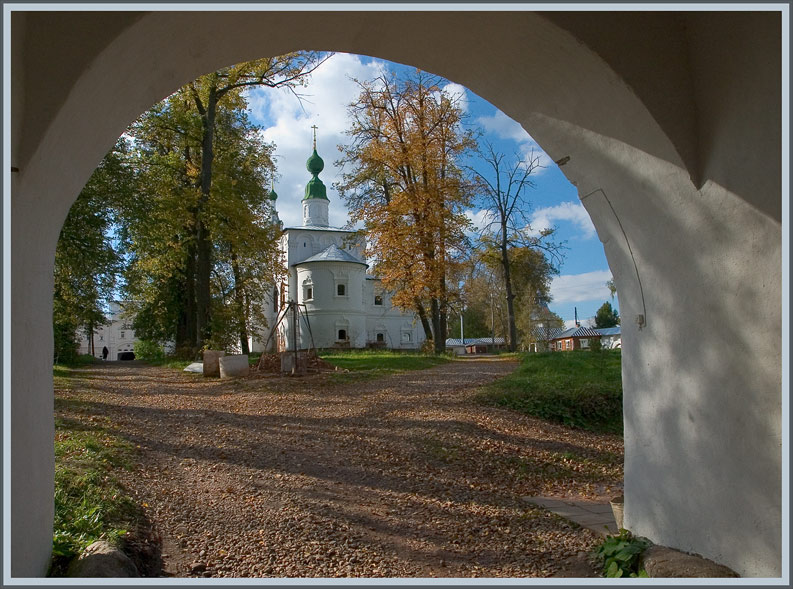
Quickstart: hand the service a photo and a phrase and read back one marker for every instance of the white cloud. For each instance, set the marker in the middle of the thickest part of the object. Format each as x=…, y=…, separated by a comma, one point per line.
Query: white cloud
x=506, y=128
x=479, y=218
x=457, y=92
x=571, y=212
x=329, y=91
x=576, y=288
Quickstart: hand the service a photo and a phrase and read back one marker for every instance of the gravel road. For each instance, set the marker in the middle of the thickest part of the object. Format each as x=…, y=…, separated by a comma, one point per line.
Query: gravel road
x=403, y=476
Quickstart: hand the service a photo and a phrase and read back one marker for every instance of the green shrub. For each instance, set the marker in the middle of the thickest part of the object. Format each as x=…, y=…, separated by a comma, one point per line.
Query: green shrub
x=148, y=350
x=65, y=343
x=620, y=555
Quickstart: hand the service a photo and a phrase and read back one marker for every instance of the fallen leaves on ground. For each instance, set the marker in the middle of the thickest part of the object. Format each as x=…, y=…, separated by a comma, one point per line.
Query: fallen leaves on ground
x=403, y=476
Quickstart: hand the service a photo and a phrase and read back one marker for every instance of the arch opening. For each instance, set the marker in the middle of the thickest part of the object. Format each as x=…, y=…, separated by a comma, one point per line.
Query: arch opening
x=619, y=148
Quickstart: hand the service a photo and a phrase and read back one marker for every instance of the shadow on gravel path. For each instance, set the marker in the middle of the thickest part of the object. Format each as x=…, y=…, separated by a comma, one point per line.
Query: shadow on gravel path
x=403, y=476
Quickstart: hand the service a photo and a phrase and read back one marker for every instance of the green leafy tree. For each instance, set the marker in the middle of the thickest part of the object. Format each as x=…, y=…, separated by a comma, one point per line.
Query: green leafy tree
x=87, y=263
x=606, y=316
x=212, y=92
x=162, y=234
x=245, y=244
x=158, y=227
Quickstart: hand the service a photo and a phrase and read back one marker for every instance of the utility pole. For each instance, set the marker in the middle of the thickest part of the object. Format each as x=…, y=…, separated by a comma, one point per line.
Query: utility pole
x=492, y=322
x=462, y=335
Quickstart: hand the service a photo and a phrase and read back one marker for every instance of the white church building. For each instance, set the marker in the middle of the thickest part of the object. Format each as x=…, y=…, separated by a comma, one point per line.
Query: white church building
x=339, y=305
x=117, y=336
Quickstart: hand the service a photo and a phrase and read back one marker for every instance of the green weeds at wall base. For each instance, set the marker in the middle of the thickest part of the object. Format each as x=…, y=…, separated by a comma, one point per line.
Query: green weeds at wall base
x=620, y=555
x=90, y=504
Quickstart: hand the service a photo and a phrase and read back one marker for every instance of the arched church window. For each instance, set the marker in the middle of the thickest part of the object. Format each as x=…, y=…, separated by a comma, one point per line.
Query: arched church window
x=378, y=299
x=308, y=290
x=380, y=337
x=342, y=334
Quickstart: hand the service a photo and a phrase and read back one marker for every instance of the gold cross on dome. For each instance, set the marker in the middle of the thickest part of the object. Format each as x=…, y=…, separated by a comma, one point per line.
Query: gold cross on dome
x=315, y=135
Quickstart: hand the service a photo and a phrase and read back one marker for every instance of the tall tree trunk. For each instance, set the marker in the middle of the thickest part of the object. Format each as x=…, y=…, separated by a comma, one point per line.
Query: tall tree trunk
x=239, y=304
x=186, y=323
x=513, y=330
x=444, y=316
x=422, y=313
x=203, y=240
x=439, y=345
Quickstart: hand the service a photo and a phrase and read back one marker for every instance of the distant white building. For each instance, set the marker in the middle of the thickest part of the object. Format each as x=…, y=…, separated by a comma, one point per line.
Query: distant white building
x=340, y=305
x=611, y=337
x=117, y=336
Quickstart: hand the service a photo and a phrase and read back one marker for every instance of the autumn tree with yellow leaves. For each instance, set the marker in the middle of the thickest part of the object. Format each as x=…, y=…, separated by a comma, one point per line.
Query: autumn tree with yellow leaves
x=403, y=181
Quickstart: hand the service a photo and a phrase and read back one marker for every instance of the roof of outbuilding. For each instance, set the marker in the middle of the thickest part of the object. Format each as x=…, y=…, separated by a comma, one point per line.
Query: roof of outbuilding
x=608, y=330
x=456, y=341
x=577, y=332
x=333, y=253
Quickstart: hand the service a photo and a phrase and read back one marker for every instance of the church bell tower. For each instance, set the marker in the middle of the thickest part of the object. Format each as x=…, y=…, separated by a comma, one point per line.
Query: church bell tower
x=315, y=201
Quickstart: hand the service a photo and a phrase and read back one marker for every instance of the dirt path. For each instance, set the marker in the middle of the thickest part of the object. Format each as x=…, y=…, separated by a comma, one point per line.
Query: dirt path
x=404, y=476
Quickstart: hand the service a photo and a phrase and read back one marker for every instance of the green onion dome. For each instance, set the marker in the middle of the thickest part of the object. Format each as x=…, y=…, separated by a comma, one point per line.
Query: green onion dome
x=315, y=188
x=315, y=164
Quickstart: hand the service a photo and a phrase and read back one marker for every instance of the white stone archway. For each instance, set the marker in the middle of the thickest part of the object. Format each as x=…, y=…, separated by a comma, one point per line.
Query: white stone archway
x=678, y=165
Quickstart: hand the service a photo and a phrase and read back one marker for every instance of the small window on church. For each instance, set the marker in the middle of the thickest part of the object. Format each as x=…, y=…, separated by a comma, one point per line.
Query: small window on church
x=309, y=293
x=342, y=334
x=406, y=337
x=122, y=335
x=304, y=244
x=378, y=299
x=340, y=290
x=380, y=337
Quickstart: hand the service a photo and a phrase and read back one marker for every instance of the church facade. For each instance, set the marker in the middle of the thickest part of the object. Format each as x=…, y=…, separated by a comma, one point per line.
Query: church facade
x=328, y=299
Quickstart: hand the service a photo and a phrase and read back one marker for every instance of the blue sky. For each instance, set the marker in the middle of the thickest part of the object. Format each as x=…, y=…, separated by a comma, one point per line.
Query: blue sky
x=554, y=200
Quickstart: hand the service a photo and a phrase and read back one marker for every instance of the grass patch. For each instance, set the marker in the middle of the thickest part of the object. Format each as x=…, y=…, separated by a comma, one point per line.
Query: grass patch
x=66, y=369
x=366, y=365
x=371, y=364
x=382, y=360
x=181, y=364
x=90, y=504
x=170, y=362
x=580, y=389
